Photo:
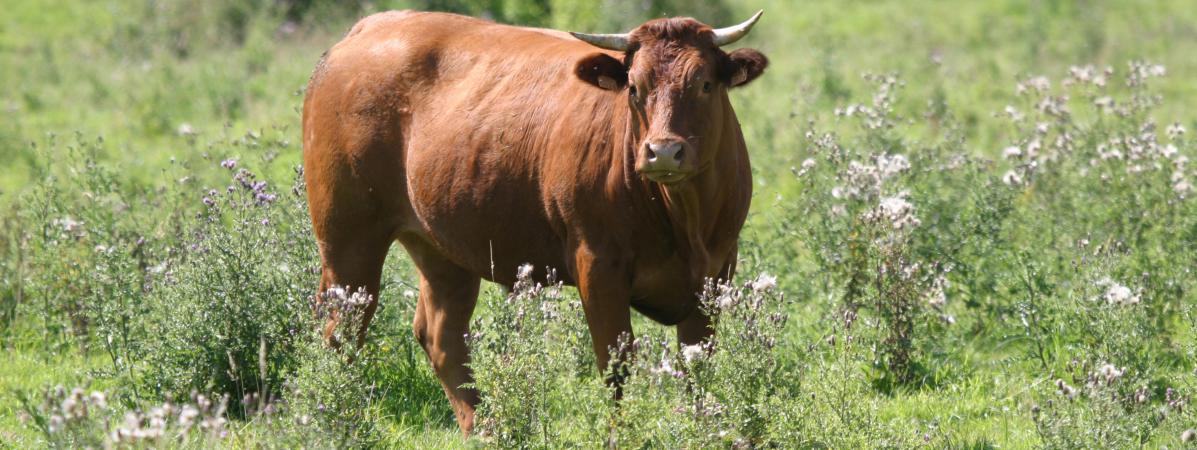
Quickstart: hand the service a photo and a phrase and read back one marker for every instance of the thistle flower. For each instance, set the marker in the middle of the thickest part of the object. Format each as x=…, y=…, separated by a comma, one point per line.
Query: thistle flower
x=693, y=352
x=896, y=210
x=1038, y=83
x=1175, y=131
x=1013, y=113
x=524, y=272
x=1012, y=178
x=1182, y=187
x=1106, y=153
x=55, y=424
x=74, y=406
x=1142, y=395
x=265, y=199
x=666, y=368
x=187, y=416
x=1065, y=390
x=1080, y=74
x=866, y=180
x=890, y=165
x=1141, y=71
x=1109, y=373
x=1169, y=151
x=98, y=399
x=335, y=292
x=807, y=165
x=1118, y=294
x=70, y=226
x=764, y=282
x=185, y=129
x=726, y=300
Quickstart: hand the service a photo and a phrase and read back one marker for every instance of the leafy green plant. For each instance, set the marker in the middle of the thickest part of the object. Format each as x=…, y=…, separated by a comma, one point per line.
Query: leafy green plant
x=526, y=355
x=229, y=307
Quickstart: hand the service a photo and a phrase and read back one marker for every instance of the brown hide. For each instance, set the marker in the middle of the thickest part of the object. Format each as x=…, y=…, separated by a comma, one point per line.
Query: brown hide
x=481, y=147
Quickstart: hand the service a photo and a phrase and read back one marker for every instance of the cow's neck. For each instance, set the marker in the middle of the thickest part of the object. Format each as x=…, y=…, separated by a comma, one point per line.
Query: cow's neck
x=690, y=209
x=689, y=216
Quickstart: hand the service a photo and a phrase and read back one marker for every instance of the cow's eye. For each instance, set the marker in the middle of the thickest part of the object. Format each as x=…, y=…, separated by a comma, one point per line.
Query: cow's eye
x=632, y=91
x=706, y=87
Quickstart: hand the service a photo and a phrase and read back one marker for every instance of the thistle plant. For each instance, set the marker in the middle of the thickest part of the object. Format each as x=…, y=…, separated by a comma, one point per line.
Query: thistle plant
x=230, y=305
x=865, y=228
x=526, y=357
x=77, y=418
x=1103, y=379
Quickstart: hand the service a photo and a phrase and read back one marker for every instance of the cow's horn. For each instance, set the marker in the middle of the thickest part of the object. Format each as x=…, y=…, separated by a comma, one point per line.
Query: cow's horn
x=725, y=36
x=608, y=41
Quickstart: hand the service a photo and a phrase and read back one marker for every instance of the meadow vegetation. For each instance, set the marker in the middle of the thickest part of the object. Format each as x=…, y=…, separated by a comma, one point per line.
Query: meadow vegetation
x=973, y=226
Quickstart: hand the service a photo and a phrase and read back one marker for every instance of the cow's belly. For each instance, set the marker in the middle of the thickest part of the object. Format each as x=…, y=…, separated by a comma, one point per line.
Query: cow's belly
x=488, y=222
x=490, y=244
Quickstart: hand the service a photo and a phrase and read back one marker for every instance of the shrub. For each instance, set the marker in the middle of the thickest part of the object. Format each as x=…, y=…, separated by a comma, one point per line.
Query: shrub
x=88, y=256
x=332, y=399
x=866, y=231
x=531, y=360
x=1102, y=361
x=231, y=303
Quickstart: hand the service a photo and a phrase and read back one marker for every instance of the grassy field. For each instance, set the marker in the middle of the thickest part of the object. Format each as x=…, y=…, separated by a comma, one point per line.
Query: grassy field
x=972, y=227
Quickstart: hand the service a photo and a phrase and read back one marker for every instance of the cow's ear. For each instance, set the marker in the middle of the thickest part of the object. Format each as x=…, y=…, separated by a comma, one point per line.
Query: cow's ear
x=742, y=66
x=601, y=70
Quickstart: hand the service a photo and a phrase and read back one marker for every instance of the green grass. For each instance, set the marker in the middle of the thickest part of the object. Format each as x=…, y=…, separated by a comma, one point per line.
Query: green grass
x=29, y=370
x=173, y=87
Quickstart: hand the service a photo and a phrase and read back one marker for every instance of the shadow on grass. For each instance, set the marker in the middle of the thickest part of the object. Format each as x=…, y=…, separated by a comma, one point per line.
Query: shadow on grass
x=411, y=394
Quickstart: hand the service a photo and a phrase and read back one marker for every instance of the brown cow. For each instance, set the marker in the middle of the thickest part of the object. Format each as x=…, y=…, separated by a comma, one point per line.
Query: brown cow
x=480, y=147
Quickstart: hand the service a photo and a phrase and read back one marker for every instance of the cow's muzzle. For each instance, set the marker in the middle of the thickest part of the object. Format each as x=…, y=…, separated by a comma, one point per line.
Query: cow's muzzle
x=665, y=161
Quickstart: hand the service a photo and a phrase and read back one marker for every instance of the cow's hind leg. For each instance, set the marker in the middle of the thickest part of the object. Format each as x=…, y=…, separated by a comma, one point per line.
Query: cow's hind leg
x=448, y=294
x=352, y=259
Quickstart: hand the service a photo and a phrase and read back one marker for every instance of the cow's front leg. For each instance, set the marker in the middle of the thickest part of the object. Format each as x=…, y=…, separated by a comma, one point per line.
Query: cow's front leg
x=605, y=289
x=697, y=327
x=694, y=329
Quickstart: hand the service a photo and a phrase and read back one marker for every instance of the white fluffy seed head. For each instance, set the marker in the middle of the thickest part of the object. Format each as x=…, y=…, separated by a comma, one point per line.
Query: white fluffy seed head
x=525, y=272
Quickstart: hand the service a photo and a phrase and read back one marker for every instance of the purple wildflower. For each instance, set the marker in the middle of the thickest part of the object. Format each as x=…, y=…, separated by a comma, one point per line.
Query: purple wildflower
x=245, y=178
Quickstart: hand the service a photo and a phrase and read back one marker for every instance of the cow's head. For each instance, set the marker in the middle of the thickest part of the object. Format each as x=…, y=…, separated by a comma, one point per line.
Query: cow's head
x=675, y=78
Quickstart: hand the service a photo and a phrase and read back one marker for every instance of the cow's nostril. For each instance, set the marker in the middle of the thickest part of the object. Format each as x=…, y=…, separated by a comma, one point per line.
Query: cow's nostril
x=651, y=154
x=680, y=151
